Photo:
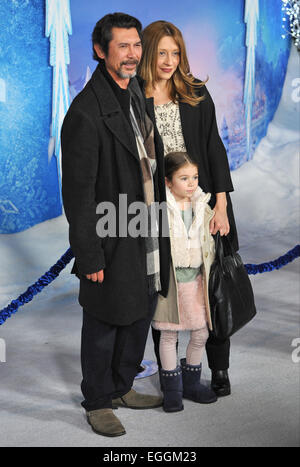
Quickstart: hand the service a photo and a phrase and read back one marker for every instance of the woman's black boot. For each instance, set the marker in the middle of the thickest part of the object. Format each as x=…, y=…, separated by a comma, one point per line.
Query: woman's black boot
x=171, y=382
x=192, y=388
x=220, y=383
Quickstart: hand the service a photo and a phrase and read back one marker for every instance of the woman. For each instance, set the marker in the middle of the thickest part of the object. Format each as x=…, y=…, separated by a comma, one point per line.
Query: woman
x=185, y=117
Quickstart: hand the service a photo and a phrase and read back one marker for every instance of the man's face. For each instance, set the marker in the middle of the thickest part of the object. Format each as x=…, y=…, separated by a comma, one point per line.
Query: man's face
x=124, y=53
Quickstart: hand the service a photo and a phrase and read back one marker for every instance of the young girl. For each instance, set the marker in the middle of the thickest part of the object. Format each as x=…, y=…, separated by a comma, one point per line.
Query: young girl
x=186, y=306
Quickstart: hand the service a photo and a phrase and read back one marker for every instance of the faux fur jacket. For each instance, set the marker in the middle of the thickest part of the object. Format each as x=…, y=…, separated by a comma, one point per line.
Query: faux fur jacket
x=167, y=309
x=186, y=245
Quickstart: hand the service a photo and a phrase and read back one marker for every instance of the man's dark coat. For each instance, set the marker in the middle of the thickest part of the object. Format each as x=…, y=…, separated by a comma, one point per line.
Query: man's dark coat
x=100, y=161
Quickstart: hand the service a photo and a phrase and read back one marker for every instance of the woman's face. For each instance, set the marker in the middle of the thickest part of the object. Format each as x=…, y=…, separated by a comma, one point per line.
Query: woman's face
x=168, y=58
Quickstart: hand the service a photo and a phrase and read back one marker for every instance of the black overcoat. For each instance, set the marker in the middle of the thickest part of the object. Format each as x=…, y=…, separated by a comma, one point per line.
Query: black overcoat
x=204, y=146
x=100, y=161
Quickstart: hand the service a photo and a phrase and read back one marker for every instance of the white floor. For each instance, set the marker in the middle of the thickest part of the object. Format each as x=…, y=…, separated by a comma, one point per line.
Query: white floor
x=40, y=380
x=40, y=393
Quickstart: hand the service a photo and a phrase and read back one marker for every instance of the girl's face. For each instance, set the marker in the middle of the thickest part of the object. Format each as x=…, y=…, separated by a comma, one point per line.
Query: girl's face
x=168, y=58
x=184, y=182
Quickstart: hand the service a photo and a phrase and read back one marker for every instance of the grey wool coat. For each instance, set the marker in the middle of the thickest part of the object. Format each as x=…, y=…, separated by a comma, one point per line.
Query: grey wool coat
x=100, y=161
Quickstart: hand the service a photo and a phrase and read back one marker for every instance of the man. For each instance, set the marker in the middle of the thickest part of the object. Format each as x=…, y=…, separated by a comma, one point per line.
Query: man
x=111, y=148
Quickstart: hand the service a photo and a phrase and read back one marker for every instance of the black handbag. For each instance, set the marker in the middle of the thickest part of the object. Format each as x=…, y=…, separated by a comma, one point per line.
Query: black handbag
x=230, y=292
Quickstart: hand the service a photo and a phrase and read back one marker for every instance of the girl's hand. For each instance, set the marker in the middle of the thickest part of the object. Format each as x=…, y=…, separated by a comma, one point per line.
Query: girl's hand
x=97, y=276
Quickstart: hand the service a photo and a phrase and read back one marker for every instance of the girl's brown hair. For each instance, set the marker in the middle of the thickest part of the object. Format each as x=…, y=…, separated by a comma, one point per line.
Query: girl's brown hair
x=182, y=85
x=174, y=161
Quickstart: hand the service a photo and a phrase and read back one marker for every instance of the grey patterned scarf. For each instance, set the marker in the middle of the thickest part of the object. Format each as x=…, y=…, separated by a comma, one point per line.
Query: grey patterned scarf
x=144, y=135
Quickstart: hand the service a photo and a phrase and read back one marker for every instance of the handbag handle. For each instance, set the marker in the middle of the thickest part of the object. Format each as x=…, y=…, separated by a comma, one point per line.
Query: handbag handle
x=220, y=242
x=219, y=248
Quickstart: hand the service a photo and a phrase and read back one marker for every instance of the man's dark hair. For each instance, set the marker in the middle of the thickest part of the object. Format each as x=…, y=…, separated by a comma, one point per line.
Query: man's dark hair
x=102, y=34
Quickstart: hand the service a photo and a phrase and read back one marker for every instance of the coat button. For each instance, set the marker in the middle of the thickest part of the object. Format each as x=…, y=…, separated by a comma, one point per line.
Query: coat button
x=204, y=238
x=206, y=254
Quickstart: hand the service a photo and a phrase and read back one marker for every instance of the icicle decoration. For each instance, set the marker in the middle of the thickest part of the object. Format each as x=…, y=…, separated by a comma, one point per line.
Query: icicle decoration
x=58, y=28
x=251, y=19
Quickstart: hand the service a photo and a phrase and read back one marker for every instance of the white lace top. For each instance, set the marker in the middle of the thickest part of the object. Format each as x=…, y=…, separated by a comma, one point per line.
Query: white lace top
x=168, y=123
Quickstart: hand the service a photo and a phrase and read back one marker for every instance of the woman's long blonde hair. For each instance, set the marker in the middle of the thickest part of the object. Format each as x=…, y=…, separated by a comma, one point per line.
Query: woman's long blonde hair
x=182, y=85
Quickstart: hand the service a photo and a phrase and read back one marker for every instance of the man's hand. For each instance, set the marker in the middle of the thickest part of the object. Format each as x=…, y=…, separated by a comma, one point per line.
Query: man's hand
x=96, y=276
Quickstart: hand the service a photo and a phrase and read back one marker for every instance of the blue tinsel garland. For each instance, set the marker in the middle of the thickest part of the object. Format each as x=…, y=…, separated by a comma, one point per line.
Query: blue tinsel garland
x=276, y=264
x=37, y=287
x=55, y=270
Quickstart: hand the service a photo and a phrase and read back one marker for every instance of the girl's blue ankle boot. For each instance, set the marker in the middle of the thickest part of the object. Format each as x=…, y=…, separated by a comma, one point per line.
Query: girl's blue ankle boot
x=171, y=382
x=192, y=388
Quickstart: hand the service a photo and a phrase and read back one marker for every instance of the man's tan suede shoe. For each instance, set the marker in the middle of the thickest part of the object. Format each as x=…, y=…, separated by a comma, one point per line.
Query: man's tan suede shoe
x=134, y=400
x=104, y=422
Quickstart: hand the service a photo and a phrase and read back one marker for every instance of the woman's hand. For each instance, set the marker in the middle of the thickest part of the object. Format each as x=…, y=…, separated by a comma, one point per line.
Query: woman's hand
x=96, y=277
x=220, y=220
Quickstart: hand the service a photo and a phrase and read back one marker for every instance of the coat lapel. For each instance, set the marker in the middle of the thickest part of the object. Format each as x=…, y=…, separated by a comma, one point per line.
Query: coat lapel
x=119, y=126
x=188, y=129
x=150, y=108
x=112, y=113
x=151, y=113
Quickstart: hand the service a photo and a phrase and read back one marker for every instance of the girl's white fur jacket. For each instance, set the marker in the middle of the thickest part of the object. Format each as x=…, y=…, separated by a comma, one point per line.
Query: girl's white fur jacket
x=186, y=245
x=167, y=307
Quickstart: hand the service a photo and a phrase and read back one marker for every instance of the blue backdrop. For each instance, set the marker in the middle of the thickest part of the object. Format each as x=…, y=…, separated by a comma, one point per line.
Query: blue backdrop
x=215, y=33
x=215, y=36
x=28, y=183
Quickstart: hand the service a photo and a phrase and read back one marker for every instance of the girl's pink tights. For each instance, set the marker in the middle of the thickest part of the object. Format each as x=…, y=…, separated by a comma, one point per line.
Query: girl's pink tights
x=194, y=351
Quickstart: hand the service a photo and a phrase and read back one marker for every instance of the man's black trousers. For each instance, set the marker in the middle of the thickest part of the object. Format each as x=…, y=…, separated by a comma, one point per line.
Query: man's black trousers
x=111, y=357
